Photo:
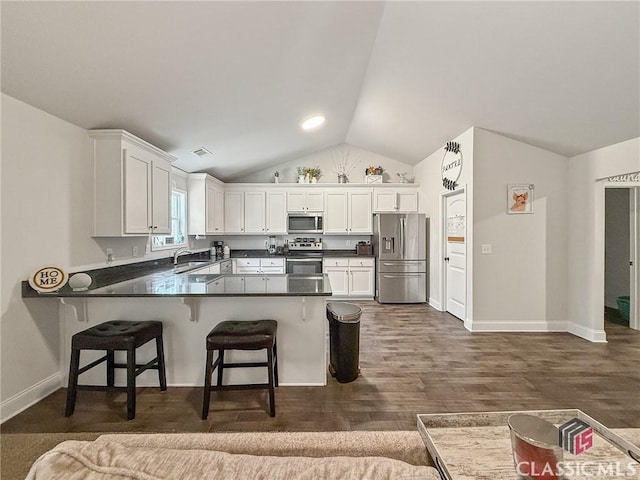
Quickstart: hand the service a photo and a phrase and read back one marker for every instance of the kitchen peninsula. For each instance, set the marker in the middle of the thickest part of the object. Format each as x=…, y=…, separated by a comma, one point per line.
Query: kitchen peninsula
x=190, y=305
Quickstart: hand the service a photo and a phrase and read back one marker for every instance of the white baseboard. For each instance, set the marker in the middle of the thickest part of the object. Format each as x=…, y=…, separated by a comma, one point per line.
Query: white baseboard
x=32, y=395
x=596, y=336
x=524, y=326
x=435, y=304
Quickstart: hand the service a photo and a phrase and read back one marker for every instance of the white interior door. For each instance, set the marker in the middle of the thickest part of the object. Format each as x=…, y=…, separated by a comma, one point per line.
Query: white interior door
x=455, y=255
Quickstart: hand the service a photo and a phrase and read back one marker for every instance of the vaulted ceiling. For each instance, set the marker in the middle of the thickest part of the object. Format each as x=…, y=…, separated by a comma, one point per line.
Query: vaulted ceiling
x=396, y=78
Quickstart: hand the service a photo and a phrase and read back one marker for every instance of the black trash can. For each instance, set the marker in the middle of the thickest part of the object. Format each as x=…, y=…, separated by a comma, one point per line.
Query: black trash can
x=344, y=340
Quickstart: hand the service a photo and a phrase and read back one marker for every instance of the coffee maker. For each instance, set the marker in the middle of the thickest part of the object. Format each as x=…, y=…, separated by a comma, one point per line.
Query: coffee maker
x=272, y=246
x=219, y=246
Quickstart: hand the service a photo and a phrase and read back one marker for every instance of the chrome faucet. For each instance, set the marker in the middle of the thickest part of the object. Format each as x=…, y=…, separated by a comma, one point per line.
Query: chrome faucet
x=180, y=251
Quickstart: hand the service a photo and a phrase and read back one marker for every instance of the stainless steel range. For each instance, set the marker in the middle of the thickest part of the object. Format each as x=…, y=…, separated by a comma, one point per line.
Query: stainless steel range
x=305, y=256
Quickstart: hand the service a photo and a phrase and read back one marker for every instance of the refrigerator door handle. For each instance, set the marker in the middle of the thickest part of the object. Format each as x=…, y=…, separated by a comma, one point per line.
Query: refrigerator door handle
x=402, y=262
x=404, y=275
x=403, y=252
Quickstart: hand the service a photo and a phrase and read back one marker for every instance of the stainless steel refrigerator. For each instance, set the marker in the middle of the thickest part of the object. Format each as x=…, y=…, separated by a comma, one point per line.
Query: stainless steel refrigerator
x=399, y=244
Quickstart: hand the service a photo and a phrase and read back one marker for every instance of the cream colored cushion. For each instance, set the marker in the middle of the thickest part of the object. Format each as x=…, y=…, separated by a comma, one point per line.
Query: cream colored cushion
x=104, y=460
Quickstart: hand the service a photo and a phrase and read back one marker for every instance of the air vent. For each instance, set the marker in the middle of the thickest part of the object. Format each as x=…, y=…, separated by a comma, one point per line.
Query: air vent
x=202, y=152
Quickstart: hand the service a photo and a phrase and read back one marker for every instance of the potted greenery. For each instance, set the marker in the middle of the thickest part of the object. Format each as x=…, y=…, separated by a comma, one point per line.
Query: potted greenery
x=302, y=173
x=313, y=174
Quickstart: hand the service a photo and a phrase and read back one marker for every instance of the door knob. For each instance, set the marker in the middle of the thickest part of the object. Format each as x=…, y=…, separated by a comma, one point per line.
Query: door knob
x=446, y=259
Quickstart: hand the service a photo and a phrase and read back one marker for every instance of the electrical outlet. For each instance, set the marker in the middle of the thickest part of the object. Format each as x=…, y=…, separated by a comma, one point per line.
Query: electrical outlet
x=348, y=243
x=135, y=250
x=486, y=249
x=109, y=255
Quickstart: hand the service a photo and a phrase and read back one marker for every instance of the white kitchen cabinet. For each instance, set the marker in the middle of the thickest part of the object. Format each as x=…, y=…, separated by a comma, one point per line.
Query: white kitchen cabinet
x=233, y=212
x=305, y=201
x=214, y=269
x=132, y=185
x=350, y=277
x=206, y=205
x=272, y=265
x=276, y=213
x=348, y=213
x=247, y=265
x=395, y=200
x=361, y=277
x=360, y=215
x=336, y=217
x=263, y=283
x=255, y=212
x=338, y=271
x=266, y=266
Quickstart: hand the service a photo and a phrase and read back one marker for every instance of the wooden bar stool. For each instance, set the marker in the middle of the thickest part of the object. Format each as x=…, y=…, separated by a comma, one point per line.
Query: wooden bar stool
x=241, y=335
x=112, y=336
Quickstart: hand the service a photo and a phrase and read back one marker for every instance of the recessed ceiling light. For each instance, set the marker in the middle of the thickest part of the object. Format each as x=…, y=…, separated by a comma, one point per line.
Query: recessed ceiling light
x=312, y=122
x=202, y=152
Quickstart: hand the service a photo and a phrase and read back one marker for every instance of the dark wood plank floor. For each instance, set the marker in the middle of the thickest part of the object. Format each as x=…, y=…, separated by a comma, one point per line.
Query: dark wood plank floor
x=414, y=360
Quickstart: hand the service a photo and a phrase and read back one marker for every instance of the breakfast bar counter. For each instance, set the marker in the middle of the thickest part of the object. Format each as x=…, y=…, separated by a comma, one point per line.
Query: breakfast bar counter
x=189, y=306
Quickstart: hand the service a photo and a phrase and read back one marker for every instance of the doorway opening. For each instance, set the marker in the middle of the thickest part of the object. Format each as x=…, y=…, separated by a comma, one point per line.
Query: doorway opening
x=621, y=232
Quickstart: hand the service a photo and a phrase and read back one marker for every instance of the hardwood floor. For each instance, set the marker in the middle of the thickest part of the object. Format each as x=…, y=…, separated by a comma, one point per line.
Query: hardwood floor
x=413, y=360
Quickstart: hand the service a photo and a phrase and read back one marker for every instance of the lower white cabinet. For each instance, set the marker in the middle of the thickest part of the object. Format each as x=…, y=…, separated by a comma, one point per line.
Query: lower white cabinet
x=350, y=276
x=266, y=266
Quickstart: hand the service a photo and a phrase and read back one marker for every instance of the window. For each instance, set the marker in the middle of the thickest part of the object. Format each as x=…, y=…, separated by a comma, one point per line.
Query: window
x=178, y=237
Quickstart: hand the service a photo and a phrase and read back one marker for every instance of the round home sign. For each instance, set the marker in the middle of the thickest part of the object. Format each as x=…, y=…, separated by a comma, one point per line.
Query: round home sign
x=451, y=165
x=48, y=279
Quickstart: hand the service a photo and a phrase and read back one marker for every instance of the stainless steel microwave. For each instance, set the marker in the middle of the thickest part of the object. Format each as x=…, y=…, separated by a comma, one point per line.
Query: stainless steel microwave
x=305, y=223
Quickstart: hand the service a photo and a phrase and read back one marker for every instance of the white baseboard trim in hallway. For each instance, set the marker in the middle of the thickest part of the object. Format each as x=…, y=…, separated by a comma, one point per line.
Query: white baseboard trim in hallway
x=541, y=326
x=596, y=336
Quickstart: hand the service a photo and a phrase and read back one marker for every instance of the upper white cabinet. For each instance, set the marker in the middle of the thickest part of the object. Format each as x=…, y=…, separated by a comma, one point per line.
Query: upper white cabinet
x=305, y=201
x=276, y=213
x=255, y=212
x=234, y=212
x=206, y=205
x=395, y=200
x=132, y=185
x=348, y=212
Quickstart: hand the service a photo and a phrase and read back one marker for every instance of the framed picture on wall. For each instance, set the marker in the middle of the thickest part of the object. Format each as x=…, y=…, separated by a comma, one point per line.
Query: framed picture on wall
x=520, y=198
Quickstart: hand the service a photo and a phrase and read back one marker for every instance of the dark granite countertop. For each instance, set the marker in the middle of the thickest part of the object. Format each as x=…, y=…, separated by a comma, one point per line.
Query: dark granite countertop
x=265, y=254
x=169, y=284
x=162, y=278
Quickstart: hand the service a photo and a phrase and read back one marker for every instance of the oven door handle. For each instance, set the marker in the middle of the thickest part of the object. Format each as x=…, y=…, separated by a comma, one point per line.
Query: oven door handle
x=304, y=260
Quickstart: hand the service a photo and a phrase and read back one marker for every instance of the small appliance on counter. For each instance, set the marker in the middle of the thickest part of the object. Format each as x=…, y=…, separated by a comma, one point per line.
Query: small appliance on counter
x=226, y=251
x=272, y=245
x=364, y=248
x=217, y=248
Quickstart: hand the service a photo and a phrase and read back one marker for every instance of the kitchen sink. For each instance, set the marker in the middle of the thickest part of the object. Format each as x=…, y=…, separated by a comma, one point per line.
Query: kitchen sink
x=188, y=266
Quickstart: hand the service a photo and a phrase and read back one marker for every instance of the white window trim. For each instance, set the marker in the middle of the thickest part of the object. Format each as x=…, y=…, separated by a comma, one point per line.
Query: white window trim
x=173, y=246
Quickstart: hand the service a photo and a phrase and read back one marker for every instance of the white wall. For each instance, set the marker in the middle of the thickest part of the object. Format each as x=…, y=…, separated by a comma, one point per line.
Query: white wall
x=46, y=220
x=616, y=270
x=522, y=285
x=586, y=237
x=359, y=159
x=427, y=174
